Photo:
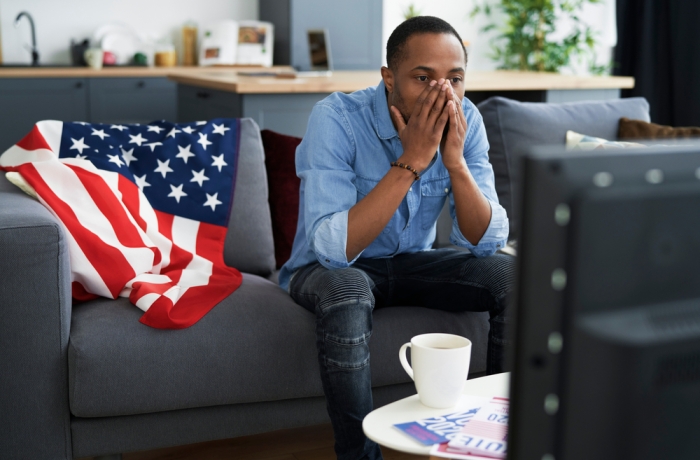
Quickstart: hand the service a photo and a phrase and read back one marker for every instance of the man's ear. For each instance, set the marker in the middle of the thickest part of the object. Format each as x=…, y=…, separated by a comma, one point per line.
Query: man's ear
x=388, y=77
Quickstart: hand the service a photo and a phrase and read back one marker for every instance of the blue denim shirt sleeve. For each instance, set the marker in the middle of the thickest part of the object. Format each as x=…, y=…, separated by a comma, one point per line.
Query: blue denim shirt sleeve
x=476, y=149
x=324, y=162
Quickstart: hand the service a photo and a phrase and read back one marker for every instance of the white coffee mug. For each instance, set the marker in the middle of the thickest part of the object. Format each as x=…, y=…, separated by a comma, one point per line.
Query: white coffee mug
x=440, y=367
x=94, y=56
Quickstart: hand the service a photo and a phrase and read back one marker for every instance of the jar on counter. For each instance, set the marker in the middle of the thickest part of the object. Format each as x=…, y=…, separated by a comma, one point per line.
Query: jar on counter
x=189, y=44
x=165, y=55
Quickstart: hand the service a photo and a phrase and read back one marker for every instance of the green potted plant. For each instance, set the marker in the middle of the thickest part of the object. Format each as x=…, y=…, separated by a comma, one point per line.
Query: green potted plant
x=411, y=11
x=524, y=40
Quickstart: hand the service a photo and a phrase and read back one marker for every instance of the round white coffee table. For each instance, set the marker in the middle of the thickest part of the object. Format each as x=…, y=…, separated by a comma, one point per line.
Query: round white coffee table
x=378, y=425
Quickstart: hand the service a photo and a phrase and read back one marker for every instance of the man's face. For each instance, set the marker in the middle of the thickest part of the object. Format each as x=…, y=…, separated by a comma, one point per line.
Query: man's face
x=427, y=57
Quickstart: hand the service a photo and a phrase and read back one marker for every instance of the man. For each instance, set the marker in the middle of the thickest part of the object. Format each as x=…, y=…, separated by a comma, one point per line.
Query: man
x=376, y=167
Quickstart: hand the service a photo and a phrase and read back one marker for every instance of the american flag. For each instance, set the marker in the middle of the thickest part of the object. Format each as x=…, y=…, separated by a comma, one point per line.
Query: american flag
x=145, y=209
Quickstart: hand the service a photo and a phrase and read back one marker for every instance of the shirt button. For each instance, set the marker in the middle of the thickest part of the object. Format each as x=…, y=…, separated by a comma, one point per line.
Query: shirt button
x=410, y=189
x=447, y=190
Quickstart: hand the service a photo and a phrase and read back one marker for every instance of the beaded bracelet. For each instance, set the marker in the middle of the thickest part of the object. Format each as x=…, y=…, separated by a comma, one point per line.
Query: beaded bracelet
x=406, y=167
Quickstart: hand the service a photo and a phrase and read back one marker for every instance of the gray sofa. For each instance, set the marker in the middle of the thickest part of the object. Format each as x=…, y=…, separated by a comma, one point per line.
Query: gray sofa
x=88, y=379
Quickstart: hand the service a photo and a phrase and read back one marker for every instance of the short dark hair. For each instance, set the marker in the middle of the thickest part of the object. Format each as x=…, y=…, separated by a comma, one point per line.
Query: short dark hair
x=395, y=52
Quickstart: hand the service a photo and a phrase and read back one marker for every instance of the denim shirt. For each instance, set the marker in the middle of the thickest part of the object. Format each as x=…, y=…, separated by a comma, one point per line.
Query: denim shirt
x=347, y=149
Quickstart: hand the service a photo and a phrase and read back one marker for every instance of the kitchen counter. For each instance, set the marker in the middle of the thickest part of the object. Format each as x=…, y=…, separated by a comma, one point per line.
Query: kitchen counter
x=284, y=104
x=143, y=94
x=118, y=72
x=226, y=78
x=348, y=81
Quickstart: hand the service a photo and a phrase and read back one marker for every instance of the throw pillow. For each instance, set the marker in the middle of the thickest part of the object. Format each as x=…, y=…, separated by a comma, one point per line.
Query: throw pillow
x=576, y=141
x=639, y=129
x=283, y=185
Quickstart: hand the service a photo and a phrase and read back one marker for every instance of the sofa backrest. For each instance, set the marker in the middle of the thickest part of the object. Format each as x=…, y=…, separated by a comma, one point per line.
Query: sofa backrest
x=513, y=128
x=249, y=246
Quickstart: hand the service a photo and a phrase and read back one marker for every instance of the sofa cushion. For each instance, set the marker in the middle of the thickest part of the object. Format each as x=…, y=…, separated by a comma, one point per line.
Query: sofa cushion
x=249, y=246
x=513, y=128
x=257, y=345
x=283, y=183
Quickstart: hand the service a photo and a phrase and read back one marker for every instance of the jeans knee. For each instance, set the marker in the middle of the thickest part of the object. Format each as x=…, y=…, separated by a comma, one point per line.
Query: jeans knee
x=499, y=275
x=347, y=286
x=345, y=316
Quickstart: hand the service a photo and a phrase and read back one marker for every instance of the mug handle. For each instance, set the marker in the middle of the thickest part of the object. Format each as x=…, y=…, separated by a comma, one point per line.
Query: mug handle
x=404, y=362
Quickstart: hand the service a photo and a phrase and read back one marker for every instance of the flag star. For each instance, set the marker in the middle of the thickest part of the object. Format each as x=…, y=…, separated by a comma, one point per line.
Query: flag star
x=200, y=123
x=184, y=153
x=199, y=177
x=212, y=201
x=138, y=140
x=79, y=145
x=97, y=151
x=173, y=132
x=188, y=130
x=141, y=182
x=81, y=123
x=203, y=140
x=163, y=167
x=111, y=146
x=116, y=160
x=129, y=156
x=220, y=129
x=153, y=145
x=176, y=192
x=155, y=129
x=219, y=161
x=119, y=127
x=80, y=157
x=99, y=133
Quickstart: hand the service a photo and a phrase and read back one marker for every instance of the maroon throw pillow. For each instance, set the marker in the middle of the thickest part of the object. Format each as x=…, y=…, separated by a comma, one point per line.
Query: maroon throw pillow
x=283, y=187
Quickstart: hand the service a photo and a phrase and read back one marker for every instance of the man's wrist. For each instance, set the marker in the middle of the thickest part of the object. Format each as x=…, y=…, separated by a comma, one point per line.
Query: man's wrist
x=457, y=167
x=416, y=161
x=407, y=167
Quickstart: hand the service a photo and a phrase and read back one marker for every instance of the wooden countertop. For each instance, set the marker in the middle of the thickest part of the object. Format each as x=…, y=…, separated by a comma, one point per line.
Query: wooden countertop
x=348, y=81
x=229, y=79
x=126, y=71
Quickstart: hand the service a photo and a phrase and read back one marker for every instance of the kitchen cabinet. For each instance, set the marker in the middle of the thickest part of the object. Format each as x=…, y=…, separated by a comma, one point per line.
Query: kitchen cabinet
x=283, y=113
x=194, y=104
x=25, y=101
x=132, y=100
x=354, y=29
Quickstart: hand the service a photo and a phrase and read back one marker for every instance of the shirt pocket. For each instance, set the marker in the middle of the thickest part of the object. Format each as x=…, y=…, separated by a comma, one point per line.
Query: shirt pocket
x=433, y=195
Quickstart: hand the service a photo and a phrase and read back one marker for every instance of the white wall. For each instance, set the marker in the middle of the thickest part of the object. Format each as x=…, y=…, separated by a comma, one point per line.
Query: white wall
x=600, y=17
x=57, y=21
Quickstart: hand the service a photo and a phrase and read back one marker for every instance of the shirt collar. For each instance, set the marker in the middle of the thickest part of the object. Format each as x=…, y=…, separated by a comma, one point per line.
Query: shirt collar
x=382, y=117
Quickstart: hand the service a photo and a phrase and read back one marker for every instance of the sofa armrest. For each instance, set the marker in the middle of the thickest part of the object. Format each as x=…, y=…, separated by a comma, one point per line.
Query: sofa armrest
x=35, y=315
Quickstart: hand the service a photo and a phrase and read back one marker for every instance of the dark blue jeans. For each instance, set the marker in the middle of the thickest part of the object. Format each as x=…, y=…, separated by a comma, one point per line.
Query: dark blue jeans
x=343, y=301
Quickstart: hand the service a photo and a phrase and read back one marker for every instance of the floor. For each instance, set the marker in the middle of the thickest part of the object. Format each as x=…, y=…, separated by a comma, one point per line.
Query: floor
x=311, y=443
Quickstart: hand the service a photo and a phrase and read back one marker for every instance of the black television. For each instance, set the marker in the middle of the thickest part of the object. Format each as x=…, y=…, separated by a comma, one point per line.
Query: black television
x=607, y=306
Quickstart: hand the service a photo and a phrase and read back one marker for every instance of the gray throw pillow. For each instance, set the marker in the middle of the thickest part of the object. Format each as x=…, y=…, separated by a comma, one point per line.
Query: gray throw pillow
x=513, y=128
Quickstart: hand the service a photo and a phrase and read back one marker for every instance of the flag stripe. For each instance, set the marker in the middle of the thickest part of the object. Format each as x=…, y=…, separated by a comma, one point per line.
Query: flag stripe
x=109, y=206
x=104, y=258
